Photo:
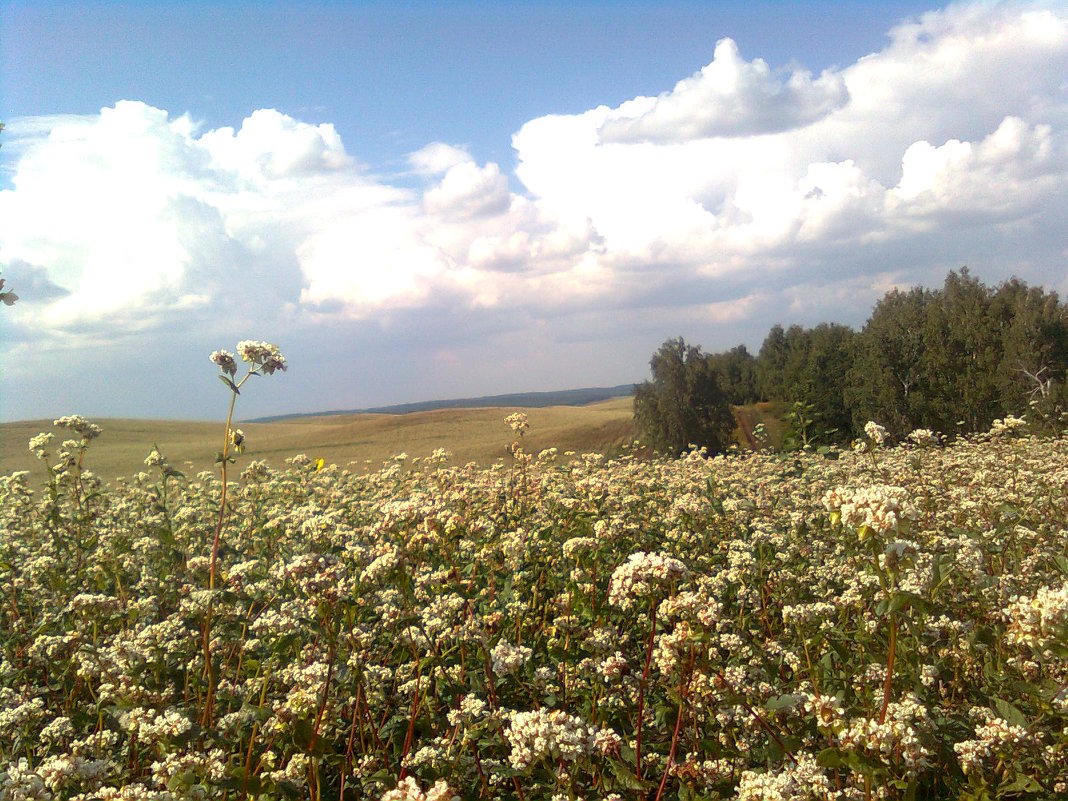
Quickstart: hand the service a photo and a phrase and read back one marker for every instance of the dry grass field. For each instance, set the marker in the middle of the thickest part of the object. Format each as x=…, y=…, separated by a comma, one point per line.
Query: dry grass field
x=367, y=440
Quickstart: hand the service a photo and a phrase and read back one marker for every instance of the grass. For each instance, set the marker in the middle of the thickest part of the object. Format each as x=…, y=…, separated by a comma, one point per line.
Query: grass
x=364, y=440
x=479, y=435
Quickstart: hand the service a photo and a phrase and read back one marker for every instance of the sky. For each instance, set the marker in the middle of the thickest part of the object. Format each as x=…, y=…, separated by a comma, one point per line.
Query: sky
x=418, y=201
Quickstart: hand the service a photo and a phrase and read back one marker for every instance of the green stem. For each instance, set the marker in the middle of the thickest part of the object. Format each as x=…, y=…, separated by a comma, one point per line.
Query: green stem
x=889, y=670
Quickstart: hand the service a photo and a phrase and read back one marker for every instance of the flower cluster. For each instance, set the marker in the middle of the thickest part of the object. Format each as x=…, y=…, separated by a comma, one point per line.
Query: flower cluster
x=877, y=509
x=508, y=658
x=548, y=733
x=263, y=356
x=642, y=576
x=1040, y=621
x=225, y=361
x=407, y=789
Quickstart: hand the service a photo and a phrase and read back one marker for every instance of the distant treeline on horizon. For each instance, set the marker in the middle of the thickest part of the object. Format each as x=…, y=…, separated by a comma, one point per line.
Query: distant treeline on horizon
x=952, y=360
x=530, y=400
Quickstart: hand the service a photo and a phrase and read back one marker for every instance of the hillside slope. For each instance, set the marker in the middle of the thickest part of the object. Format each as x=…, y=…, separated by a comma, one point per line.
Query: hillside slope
x=479, y=435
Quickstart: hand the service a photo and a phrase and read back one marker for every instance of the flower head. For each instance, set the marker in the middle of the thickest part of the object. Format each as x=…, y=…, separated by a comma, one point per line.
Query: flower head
x=225, y=360
x=263, y=356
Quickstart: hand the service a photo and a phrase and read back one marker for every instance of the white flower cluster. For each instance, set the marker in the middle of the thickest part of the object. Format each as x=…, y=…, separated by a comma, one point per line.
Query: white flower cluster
x=79, y=425
x=576, y=546
x=1040, y=621
x=39, y=443
x=796, y=782
x=826, y=709
x=899, y=734
x=548, y=733
x=225, y=360
x=993, y=736
x=875, y=432
x=1008, y=426
x=151, y=726
x=518, y=423
x=816, y=611
x=923, y=437
x=878, y=509
x=641, y=576
x=508, y=658
x=471, y=708
x=407, y=789
x=264, y=356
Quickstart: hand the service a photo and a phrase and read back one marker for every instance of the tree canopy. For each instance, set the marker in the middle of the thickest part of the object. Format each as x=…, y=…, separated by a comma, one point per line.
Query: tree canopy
x=683, y=404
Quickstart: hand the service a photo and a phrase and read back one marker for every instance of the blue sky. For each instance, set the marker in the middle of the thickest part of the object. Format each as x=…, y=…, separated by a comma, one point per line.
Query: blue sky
x=393, y=76
x=433, y=200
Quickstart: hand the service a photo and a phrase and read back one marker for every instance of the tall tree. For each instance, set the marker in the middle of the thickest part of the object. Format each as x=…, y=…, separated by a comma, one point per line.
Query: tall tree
x=961, y=356
x=821, y=377
x=683, y=405
x=886, y=381
x=1034, y=345
x=771, y=364
x=736, y=374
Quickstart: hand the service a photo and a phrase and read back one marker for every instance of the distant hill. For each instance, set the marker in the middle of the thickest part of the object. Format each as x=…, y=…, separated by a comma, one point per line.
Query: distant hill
x=530, y=400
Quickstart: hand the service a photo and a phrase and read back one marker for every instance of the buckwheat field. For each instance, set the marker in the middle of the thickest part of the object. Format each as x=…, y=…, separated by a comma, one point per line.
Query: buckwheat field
x=891, y=624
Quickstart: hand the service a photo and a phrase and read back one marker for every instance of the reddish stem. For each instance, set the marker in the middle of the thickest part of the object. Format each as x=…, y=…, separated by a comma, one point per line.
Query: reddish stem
x=641, y=695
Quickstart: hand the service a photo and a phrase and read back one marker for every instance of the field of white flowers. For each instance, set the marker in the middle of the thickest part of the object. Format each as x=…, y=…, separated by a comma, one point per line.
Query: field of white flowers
x=891, y=624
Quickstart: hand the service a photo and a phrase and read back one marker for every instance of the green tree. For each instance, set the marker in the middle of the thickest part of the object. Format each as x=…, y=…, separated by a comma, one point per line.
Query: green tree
x=771, y=364
x=962, y=351
x=820, y=379
x=736, y=374
x=683, y=405
x=886, y=380
x=1034, y=346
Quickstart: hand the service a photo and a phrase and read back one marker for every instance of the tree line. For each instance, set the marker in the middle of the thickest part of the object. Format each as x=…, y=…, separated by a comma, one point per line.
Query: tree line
x=952, y=360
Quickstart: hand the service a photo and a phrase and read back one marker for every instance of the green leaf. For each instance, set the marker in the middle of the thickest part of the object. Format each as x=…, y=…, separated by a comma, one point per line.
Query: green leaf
x=781, y=702
x=831, y=758
x=302, y=732
x=231, y=384
x=1021, y=784
x=1010, y=713
x=626, y=777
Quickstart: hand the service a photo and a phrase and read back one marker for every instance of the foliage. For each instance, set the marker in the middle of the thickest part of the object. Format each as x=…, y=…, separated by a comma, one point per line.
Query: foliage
x=736, y=375
x=951, y=359
x=888, y=625
x=683, y=405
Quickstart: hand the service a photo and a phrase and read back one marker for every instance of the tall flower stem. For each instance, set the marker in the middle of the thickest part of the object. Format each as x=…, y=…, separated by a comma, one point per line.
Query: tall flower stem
x=889, y=669
x=641, y=694
x=222, y=501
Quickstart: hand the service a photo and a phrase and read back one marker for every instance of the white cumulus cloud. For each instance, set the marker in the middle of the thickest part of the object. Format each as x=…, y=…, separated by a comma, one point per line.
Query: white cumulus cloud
x=728, y=97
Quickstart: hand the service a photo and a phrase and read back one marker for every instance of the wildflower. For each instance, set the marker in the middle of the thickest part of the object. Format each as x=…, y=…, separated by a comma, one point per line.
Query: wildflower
x=263, y=356
x=875, y=432
x=548, y=733
x=225, y=360
x=155, y=458
x=407, y=789
x=79, y=425
x=923, y=437
x=641, y=576
x=39, y=444
x=518, y=423
x=508, y=658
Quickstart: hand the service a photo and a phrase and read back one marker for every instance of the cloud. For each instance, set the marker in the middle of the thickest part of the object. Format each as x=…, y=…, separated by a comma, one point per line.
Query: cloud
x=728, y=97
x=933, y=134
x=742, y=197
x=468, y=191
x=436, y=158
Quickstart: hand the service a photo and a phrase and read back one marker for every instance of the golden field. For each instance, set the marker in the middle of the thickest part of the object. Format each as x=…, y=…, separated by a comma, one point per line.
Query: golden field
x=362, y=440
